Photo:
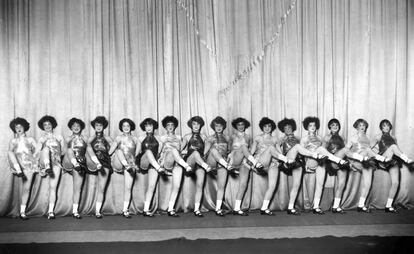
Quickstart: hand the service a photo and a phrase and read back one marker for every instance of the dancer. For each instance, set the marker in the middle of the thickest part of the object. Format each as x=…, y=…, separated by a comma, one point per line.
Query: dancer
x=51, y=148
x=265, y=149
x=359, y=144
x=335, y=144
x=170, y=157
x=149, y=147
x=22, y=159
x=292, y=149
x=240, y=152
x=98, y=150
x=125, y=149
x=194, y=150
x=75, y=161
x=387, y=146
x=216, y=150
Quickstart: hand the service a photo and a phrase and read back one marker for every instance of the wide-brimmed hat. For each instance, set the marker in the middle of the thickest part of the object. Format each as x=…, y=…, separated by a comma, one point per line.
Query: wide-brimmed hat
x=49, y=119
x=18, y=120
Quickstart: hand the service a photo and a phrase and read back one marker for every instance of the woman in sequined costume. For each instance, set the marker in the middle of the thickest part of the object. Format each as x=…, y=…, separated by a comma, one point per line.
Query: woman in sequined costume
x=291, y=148
x=360, y=145
x=315, y=177
x=193, y=147
x=239, y=156
x=216, y=151
x=149, y=146
x=51, y=147
x=22, y=159
x=265, y=149
x=335, y=144
x=98, y=150
x=125, y=149
x=387, y=146
x=171, y=160
x=75, y=160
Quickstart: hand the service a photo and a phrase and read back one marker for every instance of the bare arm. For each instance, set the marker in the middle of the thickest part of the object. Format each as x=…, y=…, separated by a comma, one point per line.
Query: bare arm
x=90, y=151
x=62, y=144
x=208, y=143
x=114, y=145
x=375, y=141
x=277, y=145
x=303, y=141
x=229, y=143
x=160, y=142
x=325, y=140
x=12, y=156
x=253, y=147
x=185, y=143
x=39, y=145
x=350, y=142
x=138, y=147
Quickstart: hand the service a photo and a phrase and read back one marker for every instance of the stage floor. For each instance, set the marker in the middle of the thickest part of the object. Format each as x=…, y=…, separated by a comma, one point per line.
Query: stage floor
x=163, y=227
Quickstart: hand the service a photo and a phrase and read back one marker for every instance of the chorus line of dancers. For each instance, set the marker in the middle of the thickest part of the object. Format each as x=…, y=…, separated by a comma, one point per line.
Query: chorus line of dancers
x=219, y=154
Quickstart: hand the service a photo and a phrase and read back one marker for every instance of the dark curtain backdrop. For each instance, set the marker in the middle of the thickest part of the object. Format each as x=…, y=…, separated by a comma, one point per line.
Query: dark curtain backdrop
x=251, y=58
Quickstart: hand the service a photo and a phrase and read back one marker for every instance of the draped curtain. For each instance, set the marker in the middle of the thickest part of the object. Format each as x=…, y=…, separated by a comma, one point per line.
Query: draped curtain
x=347, y=59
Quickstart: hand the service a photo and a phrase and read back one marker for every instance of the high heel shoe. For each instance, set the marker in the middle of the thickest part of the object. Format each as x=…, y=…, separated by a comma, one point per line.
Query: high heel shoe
x=130, y=169
x=317, y=211
x=234, y=171
x=126, y=214
x=363, y=209
x=76, y=216
x=148, y=214
x=344, y=164
x=266, y=212
x=98, y=215
x=240, y=213
x=172, y=213
x=51, y=216
x=390, y=210
x=338, y=210
x=23, y=216
x=198, y=214
x=292, y=212
x=210, y=171
x=220, y=213
x=259, y=166
x=189, y=171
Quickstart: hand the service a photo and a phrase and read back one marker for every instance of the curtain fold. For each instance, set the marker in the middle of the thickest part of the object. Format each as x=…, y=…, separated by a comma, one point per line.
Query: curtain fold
x=130, y=58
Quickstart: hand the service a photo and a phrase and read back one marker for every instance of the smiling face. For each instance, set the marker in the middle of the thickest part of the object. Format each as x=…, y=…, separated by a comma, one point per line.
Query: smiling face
x=334, y=127
x=312, y=127
x=361, y=127
x=19, y=129
x=240, y=126
x=385, y=127
x=195, y=126
x=76, y=128
x=267, y=128
x=218, y=128
x=149, y=128
x=126, y=128
x=170, y=127
x=288, y=130
x=47, y=126
x=98, y=127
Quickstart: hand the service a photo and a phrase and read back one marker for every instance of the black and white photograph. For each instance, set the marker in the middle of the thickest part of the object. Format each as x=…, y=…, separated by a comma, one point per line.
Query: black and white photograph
x=206, y=126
